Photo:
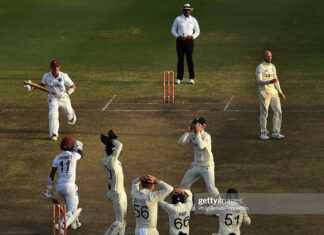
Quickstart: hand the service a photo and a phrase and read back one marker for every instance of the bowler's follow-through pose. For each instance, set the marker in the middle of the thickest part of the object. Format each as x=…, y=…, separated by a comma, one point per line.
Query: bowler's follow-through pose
x=66, y=163
x=56, y=82
x=145, y=203
x=179, y=211
x=203, y=164
x=116, y=191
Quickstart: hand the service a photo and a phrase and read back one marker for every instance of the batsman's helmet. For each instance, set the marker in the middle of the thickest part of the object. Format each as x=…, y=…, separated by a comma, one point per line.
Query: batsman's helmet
x=67, y=144
x=231, y=194
x=179, y=198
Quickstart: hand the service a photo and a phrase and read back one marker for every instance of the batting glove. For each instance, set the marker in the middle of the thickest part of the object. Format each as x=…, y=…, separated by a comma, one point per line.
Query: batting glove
x=78, y=145
x=29, y=88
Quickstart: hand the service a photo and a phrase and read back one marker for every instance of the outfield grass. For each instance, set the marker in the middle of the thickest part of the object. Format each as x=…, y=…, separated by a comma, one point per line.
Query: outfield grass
x=102, y=41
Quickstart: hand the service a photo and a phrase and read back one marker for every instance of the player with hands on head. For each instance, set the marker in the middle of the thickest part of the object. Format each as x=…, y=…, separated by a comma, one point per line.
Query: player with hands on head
x=179, y=211
x=231, y=213
x=145, y=203
x=116, y=191
x=269, y=92
x=203, y=164
x=65, y=163
x=56, y=82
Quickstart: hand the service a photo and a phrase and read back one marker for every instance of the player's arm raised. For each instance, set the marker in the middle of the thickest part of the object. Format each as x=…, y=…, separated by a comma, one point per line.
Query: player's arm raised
x=202, y=143
x=135, y=185
x=119, y=146
x=184, y=139
x=162, y=194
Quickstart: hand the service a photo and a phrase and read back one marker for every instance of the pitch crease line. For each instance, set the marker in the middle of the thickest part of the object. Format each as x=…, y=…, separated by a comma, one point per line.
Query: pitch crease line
x=228, y=103
x=109, y=102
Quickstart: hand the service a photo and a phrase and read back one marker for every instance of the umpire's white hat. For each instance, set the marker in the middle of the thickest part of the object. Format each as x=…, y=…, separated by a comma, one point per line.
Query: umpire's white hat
x=187, y=6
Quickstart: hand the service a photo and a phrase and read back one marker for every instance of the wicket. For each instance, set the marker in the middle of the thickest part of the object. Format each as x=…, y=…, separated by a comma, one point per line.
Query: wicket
x=58, y=208
x=170, y=83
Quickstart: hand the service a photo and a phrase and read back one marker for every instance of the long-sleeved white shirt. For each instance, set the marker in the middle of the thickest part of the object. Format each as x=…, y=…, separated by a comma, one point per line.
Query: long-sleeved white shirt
x=265, y=72
x=179, y=214
x=114, y=168
x=185, y=26
x=145, y=203
x=231, y=215
x=201, y=145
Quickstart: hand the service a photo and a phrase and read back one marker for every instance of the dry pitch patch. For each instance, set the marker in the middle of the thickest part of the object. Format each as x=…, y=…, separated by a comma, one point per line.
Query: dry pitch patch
x=150, y=147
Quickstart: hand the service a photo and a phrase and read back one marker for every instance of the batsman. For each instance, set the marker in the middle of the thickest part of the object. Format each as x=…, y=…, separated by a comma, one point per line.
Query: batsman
x=58, y=97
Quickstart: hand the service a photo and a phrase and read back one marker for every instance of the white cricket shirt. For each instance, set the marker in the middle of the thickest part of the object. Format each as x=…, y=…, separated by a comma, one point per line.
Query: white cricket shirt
x=265, y=72
x=201, y=145
x=57, y=84
x=66, y=163
x=179, y=215
x=145, y=203
x=114, y=168
x=185, y=26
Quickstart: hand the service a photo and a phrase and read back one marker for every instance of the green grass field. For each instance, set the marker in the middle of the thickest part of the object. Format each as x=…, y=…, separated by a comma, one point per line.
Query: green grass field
x=122, y=48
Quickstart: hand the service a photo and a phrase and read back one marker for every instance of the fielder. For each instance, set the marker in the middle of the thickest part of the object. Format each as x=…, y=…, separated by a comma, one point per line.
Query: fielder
x=203, y=164
x=66, y=163
x=56, y=81
x=179, y=211
x=116, y=191
x=145, y=203
x=230, y=214
x=269, y=88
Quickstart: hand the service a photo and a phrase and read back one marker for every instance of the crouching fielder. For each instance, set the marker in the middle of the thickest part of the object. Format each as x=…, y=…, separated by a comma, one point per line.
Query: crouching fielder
x=203, y=164
x=231, y=214
x=116, y=191
x=179, y=211
x=66, y=163
x=56, y=82
x=145, y=203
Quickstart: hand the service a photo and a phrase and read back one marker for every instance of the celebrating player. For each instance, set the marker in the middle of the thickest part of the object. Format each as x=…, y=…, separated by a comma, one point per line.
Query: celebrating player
x=145, y=203
x=269, y=89
x=56, y=82
x=179, y=211
x=66, y=163
x=231, y=214
x=116, y=191
x=203, y=164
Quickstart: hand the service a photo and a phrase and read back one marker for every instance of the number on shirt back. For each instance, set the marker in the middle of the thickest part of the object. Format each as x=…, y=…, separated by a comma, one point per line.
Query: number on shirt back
x=179, y=224
x=141, y=211
x=67, y=166
x=229, y=221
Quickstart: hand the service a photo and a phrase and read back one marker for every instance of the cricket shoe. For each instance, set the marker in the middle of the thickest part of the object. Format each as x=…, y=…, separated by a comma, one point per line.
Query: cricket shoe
x=178, y=81
x=264, y=136
x=61, y=230
x=277, y=135
x=53, y=137
x=191, y=81
x=75, y=225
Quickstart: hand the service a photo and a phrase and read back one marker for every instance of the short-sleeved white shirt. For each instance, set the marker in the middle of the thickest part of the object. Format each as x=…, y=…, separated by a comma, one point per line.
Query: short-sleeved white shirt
x=57, y=84
x=66, y=163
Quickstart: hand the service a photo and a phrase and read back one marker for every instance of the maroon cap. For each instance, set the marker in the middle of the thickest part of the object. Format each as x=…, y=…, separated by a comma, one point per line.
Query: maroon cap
x=67, y=143
x=54, y=63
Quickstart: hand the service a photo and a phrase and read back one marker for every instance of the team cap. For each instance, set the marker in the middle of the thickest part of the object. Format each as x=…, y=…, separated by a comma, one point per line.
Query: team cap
x=55, y=63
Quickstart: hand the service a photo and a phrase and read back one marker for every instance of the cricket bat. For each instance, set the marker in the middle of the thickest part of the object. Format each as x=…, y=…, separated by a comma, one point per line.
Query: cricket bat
x=39, y=87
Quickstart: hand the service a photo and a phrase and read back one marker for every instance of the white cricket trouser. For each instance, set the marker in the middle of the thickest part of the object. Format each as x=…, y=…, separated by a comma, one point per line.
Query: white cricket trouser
x=267, y=98
x=119, y=201
x=146, y=231
x=69, y=192
x=65, y=106
x=194, y=173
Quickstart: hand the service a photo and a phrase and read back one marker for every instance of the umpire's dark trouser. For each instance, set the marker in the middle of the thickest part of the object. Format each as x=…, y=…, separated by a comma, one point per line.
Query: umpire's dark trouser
x=185, y=47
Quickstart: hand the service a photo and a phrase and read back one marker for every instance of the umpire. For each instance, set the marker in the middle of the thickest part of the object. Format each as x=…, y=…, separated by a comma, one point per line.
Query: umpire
x=185, y=28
